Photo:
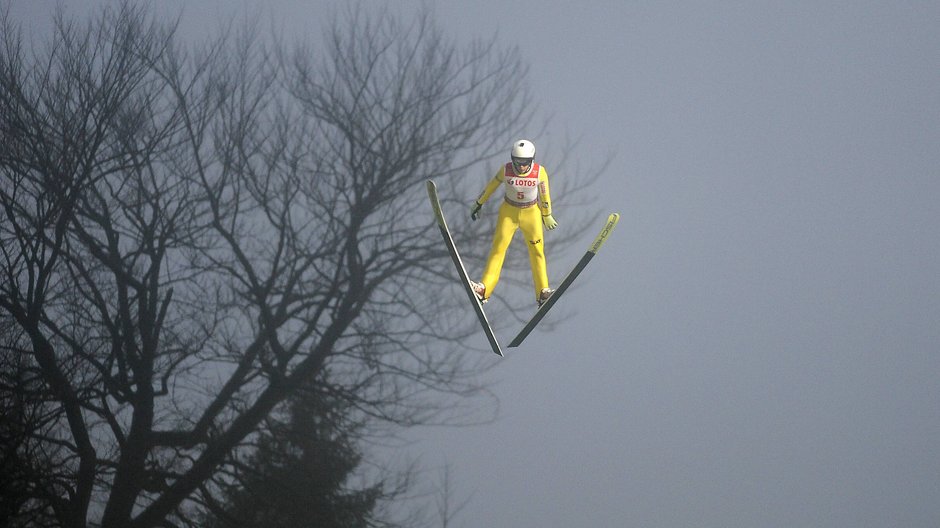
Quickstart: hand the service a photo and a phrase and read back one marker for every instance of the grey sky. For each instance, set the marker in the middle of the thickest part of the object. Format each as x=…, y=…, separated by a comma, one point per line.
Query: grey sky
x=759, y=342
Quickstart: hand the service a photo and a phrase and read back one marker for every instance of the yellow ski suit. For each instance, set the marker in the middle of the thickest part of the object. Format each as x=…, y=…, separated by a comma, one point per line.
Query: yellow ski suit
x=518, y=211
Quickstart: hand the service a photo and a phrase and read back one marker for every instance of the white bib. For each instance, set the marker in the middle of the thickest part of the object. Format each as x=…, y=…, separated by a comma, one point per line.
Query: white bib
x=522, y=191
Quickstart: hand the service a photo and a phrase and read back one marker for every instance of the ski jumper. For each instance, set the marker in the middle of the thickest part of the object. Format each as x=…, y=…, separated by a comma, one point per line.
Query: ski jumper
x=525, y=202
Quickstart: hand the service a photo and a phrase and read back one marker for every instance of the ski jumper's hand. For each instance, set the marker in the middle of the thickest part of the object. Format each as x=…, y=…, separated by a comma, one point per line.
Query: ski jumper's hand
x=549, y=222
x=485, y=195
x=475, y=210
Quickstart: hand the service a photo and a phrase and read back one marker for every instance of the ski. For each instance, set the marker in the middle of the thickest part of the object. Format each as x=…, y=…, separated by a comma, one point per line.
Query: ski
x=572, y=275
x=461, y=270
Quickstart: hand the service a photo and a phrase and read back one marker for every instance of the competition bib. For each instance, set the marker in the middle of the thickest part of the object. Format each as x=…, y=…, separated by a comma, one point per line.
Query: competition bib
x=522, y=191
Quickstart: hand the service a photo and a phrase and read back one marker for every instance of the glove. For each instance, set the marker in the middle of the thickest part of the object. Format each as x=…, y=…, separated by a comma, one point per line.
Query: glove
x=475, y=210
x=549, y=222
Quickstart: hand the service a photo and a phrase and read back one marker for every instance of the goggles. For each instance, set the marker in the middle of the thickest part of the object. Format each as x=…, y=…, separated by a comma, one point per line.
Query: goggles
x=518, y=163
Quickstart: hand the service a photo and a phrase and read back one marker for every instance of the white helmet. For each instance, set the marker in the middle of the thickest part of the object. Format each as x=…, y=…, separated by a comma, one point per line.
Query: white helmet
x=523, y=152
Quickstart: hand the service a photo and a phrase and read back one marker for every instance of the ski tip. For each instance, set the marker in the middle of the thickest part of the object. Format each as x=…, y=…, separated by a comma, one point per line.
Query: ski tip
x=612, y=220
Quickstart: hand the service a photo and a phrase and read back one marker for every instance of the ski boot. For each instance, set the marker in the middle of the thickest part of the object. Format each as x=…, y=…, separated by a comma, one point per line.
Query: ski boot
x=544, y=295
x=480, y=290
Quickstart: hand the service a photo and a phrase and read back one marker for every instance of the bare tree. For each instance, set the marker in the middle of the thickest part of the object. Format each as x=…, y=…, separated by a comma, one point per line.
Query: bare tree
x=189, y=235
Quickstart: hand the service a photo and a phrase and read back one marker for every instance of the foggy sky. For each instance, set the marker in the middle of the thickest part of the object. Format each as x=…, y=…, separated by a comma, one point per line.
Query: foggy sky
x=757, y=345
